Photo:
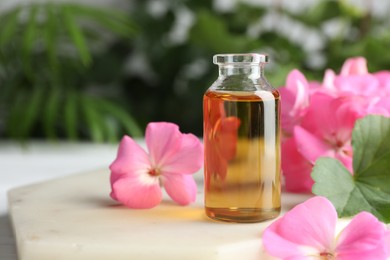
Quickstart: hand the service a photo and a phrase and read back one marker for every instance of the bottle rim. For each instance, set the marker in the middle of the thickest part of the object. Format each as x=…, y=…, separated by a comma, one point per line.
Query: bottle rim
x=240, y=58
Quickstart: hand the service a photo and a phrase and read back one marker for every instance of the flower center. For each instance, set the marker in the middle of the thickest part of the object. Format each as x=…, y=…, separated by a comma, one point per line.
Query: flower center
x=154, y=172
x=327, y=256
x=339, y=144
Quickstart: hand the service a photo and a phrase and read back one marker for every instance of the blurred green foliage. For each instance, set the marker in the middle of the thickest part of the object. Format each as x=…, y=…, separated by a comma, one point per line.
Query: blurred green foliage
x=49, y=56
x=81, y=72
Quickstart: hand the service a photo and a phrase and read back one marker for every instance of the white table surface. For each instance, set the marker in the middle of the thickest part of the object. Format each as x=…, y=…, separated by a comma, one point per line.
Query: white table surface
x=39, y=161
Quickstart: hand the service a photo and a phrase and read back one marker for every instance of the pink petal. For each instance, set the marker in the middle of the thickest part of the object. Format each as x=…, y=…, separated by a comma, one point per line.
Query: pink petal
x=296, y=169
x=310, y=146
x=387, y=242
x=354, y=66
x=319, y=119
x=295, y=97
x=327, y=127
x=187, y=159
x=298, y=85
x=162, y=139
x=381, y=106
x=314, y=86
x=384, y=80
x=130, y=157
x=181, y=188
x=278, y=246
x=347, y=111
x=315, y=220
x=365, y=85
x=363, y=238
x=306, y=229
x=329, y=79
x=138, y=192
x=171, y=151
x=332, y=118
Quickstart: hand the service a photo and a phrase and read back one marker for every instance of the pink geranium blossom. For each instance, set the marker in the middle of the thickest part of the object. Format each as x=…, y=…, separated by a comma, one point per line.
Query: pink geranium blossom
x=308, y=231
x=326, y=130
x=136, y=176
x=318, y=119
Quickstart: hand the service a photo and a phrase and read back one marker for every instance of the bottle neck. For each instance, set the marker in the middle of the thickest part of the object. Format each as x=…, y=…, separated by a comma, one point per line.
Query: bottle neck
x=251, y=71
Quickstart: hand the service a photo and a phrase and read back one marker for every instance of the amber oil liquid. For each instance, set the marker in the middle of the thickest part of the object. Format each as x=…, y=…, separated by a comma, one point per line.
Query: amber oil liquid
x=242, y=155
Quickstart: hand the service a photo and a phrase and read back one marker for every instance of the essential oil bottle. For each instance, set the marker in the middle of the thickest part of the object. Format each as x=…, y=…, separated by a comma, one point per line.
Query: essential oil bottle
x=241, y=113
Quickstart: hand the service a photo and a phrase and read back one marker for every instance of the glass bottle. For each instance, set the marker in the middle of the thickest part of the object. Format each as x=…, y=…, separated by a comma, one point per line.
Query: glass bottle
x=241, y=114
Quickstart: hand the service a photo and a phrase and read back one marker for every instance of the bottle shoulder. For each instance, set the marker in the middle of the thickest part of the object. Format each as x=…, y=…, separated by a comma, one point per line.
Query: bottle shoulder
x=242, y=85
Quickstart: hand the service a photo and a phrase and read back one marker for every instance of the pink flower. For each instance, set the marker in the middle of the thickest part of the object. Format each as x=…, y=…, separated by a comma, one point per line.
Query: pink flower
x=136, y=176
x=318, y=119
x=308, y=231
x=363, y=85
x=354, y=79
x=328, y=126
x=295, y=100
x=326, y=130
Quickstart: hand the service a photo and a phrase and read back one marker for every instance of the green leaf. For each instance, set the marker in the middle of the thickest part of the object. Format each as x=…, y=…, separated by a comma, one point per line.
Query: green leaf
x=29, y=39
x=77, y=36
x=116, y=21
x=212, y=33
x=32, y=111
x=16, y=113
x=51, y=30
x=25, y=112
x=70, y=114
x=96, y=126
x=9, y=26
x=51, y=113
x=123, y=116
x=369, y=188
x=318, y=13
x=111, y=129
x=351, y=9
x=371, y=141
